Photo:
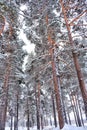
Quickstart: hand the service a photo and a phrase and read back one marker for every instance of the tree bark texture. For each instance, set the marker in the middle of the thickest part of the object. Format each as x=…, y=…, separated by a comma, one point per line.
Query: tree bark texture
x=76, y=111
x=4, y=99
x=64, y=111
x=73, y=110
x=77, y=99
x=11, y=122
x=54, y=110
x=57, y=94
x=55, y=78
x=76, y=62
x=37, y=96
x=28, y=115
x=42, y=126
x=16, y=112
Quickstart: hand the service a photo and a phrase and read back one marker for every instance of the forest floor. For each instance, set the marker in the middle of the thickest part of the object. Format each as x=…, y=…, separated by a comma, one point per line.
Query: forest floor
x=66, y=127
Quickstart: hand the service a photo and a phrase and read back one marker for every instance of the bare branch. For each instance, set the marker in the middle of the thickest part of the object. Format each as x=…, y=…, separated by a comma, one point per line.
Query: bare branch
x=77, y=17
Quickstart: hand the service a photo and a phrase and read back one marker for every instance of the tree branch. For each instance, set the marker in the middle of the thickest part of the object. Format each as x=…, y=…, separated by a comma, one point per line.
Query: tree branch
x=77, y=17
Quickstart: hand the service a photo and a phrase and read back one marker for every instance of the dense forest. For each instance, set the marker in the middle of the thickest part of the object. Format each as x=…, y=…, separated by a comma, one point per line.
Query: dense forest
x=43, y=68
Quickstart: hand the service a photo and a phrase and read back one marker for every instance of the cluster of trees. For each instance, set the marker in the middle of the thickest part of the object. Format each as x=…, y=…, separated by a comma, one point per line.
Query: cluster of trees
x=11, y=55
x=53, y=82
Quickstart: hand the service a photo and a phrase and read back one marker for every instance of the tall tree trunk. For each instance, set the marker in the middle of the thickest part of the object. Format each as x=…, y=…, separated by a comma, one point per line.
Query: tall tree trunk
x=80, y=109
x=64, y=111
x=28, y=112
x=11, y=122
x=4, y=99
x=38, y=102
x=68, y=108
x=73, y=110
x=16, y=112
x=38, y=106
x=42, y=121
x=57, y=94
x=17, y=108
x=42, y=118
x=11, y=115
x=68, y=117
x=3, y=115
x=56, y=79
x=54, y=110
x=76, y=63
x=76, y=111
x=50, y=121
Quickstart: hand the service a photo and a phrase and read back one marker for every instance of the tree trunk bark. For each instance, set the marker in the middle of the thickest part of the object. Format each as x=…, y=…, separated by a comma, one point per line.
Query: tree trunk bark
x=16, y=112
x=76, y=111
x=11, y=122
x=56, y=79
x=54, y=110
x=3, y=113
x=80, y=109
x=42, y=122
x=57, y=94
x=69, y=118
x=4, y=99
x=28, y=121
x=76, y=63
x=28, y=115
x=50, y=121
x=38, y=106
x=38, y=102
x=64, y=111
x=73, y=110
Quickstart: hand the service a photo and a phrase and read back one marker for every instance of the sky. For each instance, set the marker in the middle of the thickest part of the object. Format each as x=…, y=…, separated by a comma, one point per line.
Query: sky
x=29, y=47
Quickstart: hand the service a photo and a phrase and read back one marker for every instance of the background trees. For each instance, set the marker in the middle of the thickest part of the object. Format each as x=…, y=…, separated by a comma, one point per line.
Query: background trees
x=52, y=82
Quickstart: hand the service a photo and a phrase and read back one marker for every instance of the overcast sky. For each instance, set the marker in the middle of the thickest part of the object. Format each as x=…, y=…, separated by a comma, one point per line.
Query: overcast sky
x=29, y=47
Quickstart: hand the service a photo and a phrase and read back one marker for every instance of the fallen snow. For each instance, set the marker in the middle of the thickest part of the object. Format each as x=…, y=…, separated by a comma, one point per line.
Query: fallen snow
x=70, y=127
x=66, y=127
x=21, y=128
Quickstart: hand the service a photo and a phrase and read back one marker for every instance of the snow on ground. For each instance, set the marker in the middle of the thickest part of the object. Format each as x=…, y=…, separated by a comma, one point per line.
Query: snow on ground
x=70, y=127
x=66, y=127
x=33, y=128
x=20, y=128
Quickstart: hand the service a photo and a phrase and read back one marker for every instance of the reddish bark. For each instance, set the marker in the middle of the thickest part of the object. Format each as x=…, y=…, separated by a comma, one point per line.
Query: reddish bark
x=4, y=99
x=75, y=59
x=57, y=94
x=55, y=78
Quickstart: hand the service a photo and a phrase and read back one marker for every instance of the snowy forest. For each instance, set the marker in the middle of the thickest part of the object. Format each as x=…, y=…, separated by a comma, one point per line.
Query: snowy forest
x=43, y=68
